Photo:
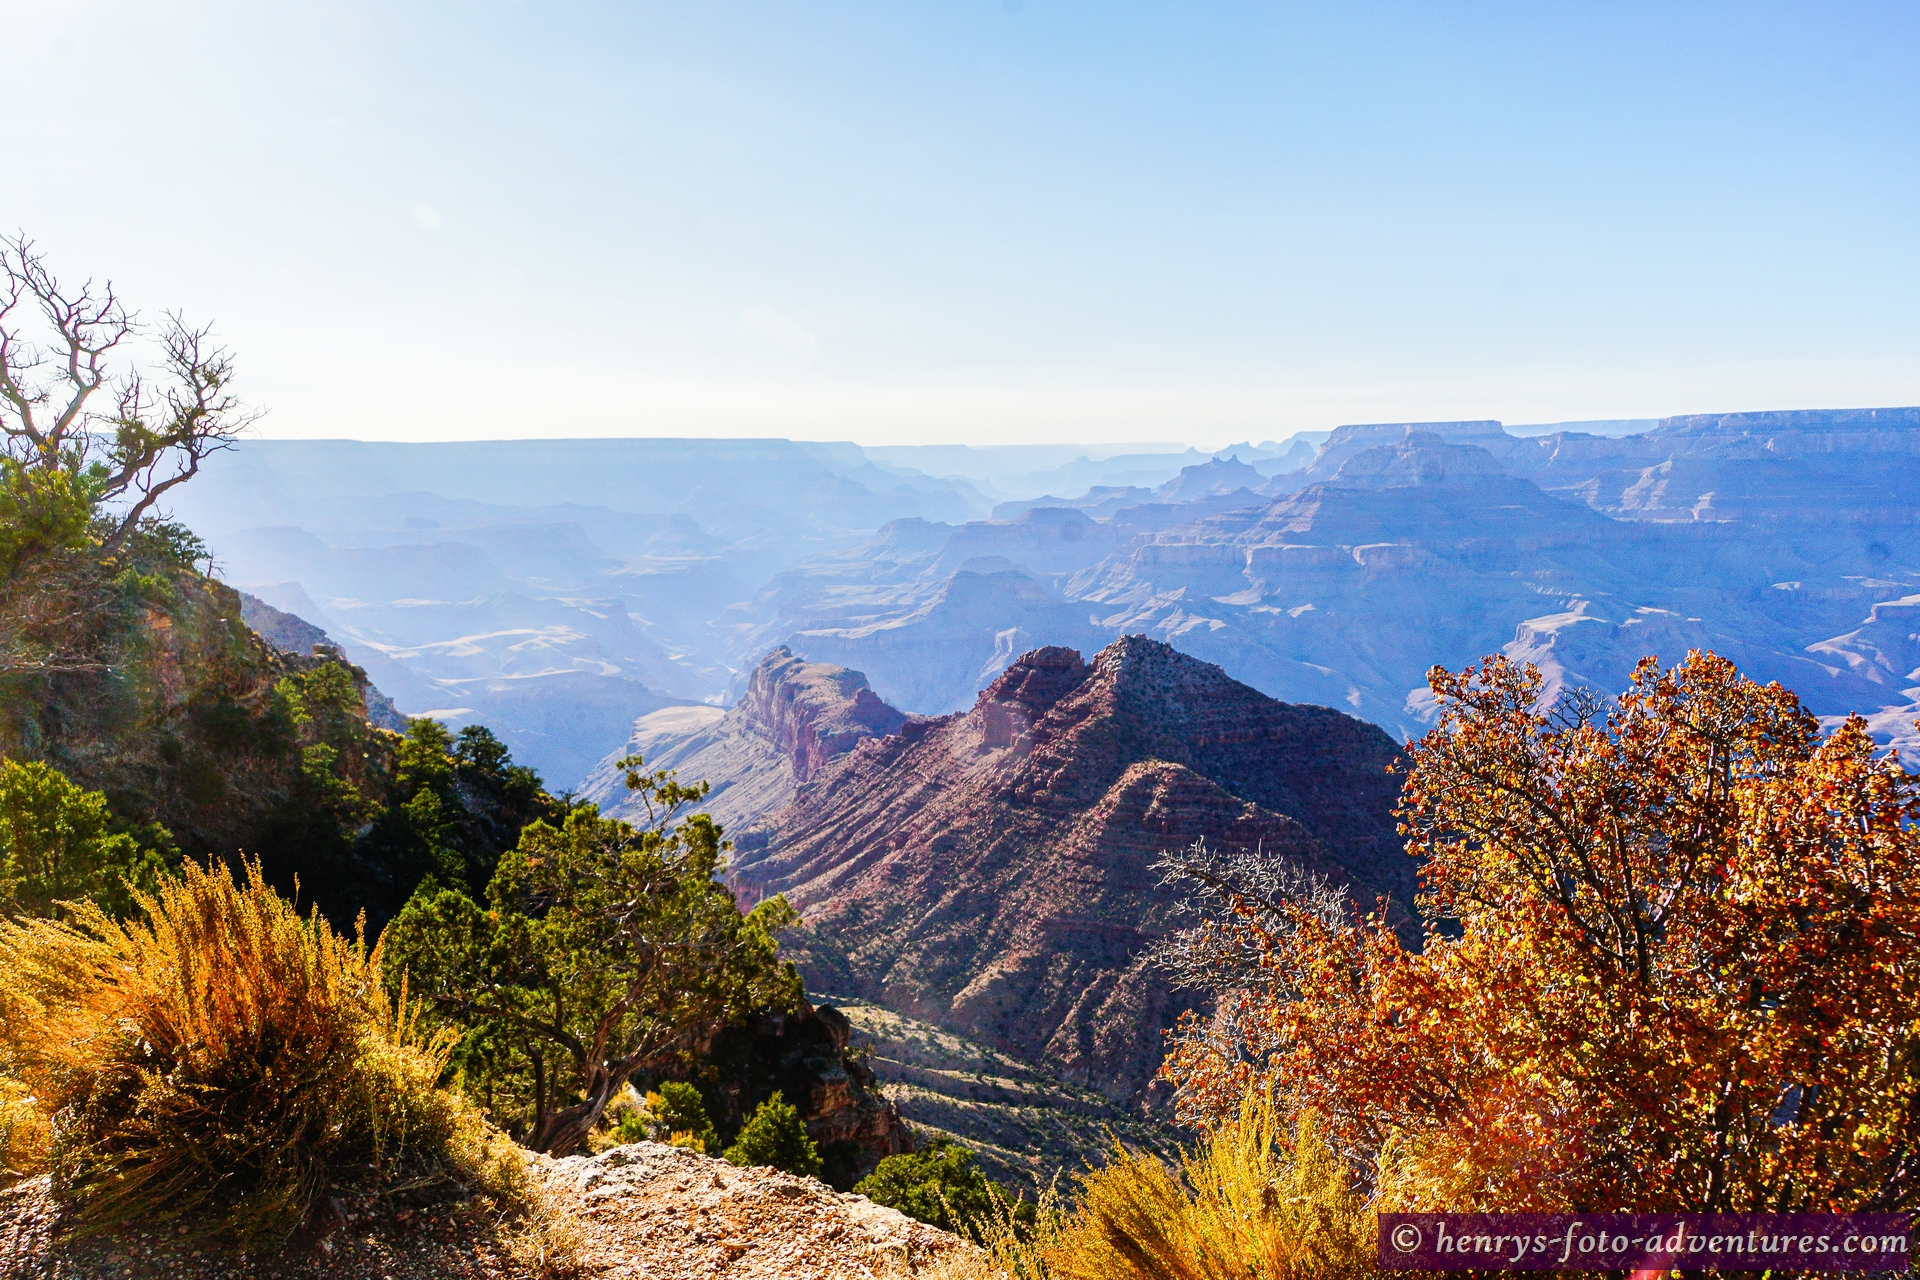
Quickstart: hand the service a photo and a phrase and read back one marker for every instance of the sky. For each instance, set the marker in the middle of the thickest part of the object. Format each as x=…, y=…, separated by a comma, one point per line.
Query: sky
x=986, y=221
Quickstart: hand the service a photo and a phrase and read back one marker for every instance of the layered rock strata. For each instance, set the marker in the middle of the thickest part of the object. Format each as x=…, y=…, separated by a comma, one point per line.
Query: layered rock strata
x=794, y=717
x=992, y=870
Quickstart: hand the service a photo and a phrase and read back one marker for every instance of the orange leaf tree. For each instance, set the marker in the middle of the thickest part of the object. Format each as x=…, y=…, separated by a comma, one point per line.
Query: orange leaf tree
x=1672, y=962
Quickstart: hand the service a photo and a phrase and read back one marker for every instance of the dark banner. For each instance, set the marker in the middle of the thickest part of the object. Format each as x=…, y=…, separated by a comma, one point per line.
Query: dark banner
x=1643, y=1241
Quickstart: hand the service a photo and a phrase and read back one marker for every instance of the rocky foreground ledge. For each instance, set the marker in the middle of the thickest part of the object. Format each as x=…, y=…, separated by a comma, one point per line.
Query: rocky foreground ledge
x=653, y=1210
x=644, y=1210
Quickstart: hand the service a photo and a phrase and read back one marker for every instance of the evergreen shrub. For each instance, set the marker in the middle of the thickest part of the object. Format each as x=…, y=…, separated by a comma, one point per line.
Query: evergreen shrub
x=938, y=1184
x=775, y=1136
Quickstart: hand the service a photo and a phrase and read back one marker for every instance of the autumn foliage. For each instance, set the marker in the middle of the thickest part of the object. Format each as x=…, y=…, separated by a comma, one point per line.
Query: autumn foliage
x=1672, y=962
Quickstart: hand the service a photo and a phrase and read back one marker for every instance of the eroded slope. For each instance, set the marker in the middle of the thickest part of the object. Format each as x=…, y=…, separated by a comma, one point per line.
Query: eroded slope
x=992, y=871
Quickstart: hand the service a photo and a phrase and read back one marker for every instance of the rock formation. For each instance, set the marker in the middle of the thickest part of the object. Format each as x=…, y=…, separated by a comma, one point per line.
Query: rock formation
x=658, y=1211
x=991, y=870
x=1838, y=479
x=794, y=717
x=803, y=1056
x=644, y=1211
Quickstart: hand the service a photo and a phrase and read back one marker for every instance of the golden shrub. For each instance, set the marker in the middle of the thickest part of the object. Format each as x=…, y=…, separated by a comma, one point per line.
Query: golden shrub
x=1244, y=1203
x=1011, y=1245
x=24, y=1132
x=216, y=1063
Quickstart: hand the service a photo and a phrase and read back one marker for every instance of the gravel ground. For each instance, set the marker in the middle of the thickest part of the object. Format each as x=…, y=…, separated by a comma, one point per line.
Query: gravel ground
x=644, y=1210
x=648, y=1210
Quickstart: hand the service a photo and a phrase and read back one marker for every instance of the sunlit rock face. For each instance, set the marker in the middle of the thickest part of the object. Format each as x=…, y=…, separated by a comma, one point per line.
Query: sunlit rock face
x=992, y=870
x=793, y=719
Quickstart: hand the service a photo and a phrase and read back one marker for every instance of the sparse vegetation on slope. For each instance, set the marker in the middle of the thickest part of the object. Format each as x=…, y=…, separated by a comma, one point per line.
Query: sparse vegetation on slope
x=1022, y=1125
x=203, y=739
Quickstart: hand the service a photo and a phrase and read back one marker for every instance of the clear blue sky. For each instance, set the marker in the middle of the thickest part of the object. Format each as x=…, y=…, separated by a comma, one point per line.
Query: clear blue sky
x=985, y=220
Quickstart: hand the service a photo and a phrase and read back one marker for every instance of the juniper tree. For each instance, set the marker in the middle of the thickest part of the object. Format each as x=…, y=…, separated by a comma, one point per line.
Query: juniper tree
x=602, y=950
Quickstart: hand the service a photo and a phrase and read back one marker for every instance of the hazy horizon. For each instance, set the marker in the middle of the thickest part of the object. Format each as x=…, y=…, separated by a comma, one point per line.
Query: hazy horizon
x=1067, y=449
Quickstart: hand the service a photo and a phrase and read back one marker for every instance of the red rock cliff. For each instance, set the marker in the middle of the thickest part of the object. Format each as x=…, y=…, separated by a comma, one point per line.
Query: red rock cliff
x=813, y=711
x=992, y=870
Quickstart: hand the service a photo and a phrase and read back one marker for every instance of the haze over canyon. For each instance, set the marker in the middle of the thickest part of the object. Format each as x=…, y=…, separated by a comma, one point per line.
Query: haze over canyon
x=558, y=590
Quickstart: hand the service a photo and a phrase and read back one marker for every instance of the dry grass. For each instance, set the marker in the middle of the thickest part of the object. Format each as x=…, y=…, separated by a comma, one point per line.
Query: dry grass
x=1243, y=1204
x=24, y=1132
x=543, y=1239
x=1010, y=1248
x=218, y=1063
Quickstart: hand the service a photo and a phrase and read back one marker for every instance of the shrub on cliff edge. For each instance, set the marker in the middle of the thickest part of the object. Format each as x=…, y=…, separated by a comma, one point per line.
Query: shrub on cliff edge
x=939, y=1185
x=774, y=1135
x=216, y=1064
x=1244, y=1203
x=676, y=1115
x=57, y=843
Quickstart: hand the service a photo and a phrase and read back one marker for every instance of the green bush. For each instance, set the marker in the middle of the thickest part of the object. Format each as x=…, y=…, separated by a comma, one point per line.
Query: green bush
x=676, y=1111
x=775, y=1136
x=42, y=509
x=674, y=1114
x=57, y=845
x=938, y=1185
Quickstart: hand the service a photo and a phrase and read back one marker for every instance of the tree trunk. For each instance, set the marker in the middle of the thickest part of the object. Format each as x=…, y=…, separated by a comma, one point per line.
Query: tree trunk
x=559, y=1132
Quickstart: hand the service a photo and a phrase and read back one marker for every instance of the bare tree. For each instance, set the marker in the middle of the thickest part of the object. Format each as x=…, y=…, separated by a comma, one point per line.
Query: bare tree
x=123, y=436
x=1218, y=894
x=1222, y=900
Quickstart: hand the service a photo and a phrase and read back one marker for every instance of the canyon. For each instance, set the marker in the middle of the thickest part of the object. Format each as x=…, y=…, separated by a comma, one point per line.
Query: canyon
x=992, y=872
x=561, y=591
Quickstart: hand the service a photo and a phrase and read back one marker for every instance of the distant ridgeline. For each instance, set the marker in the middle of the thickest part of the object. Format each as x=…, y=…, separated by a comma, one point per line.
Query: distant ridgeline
x=1785, y=541
x=558, y=590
